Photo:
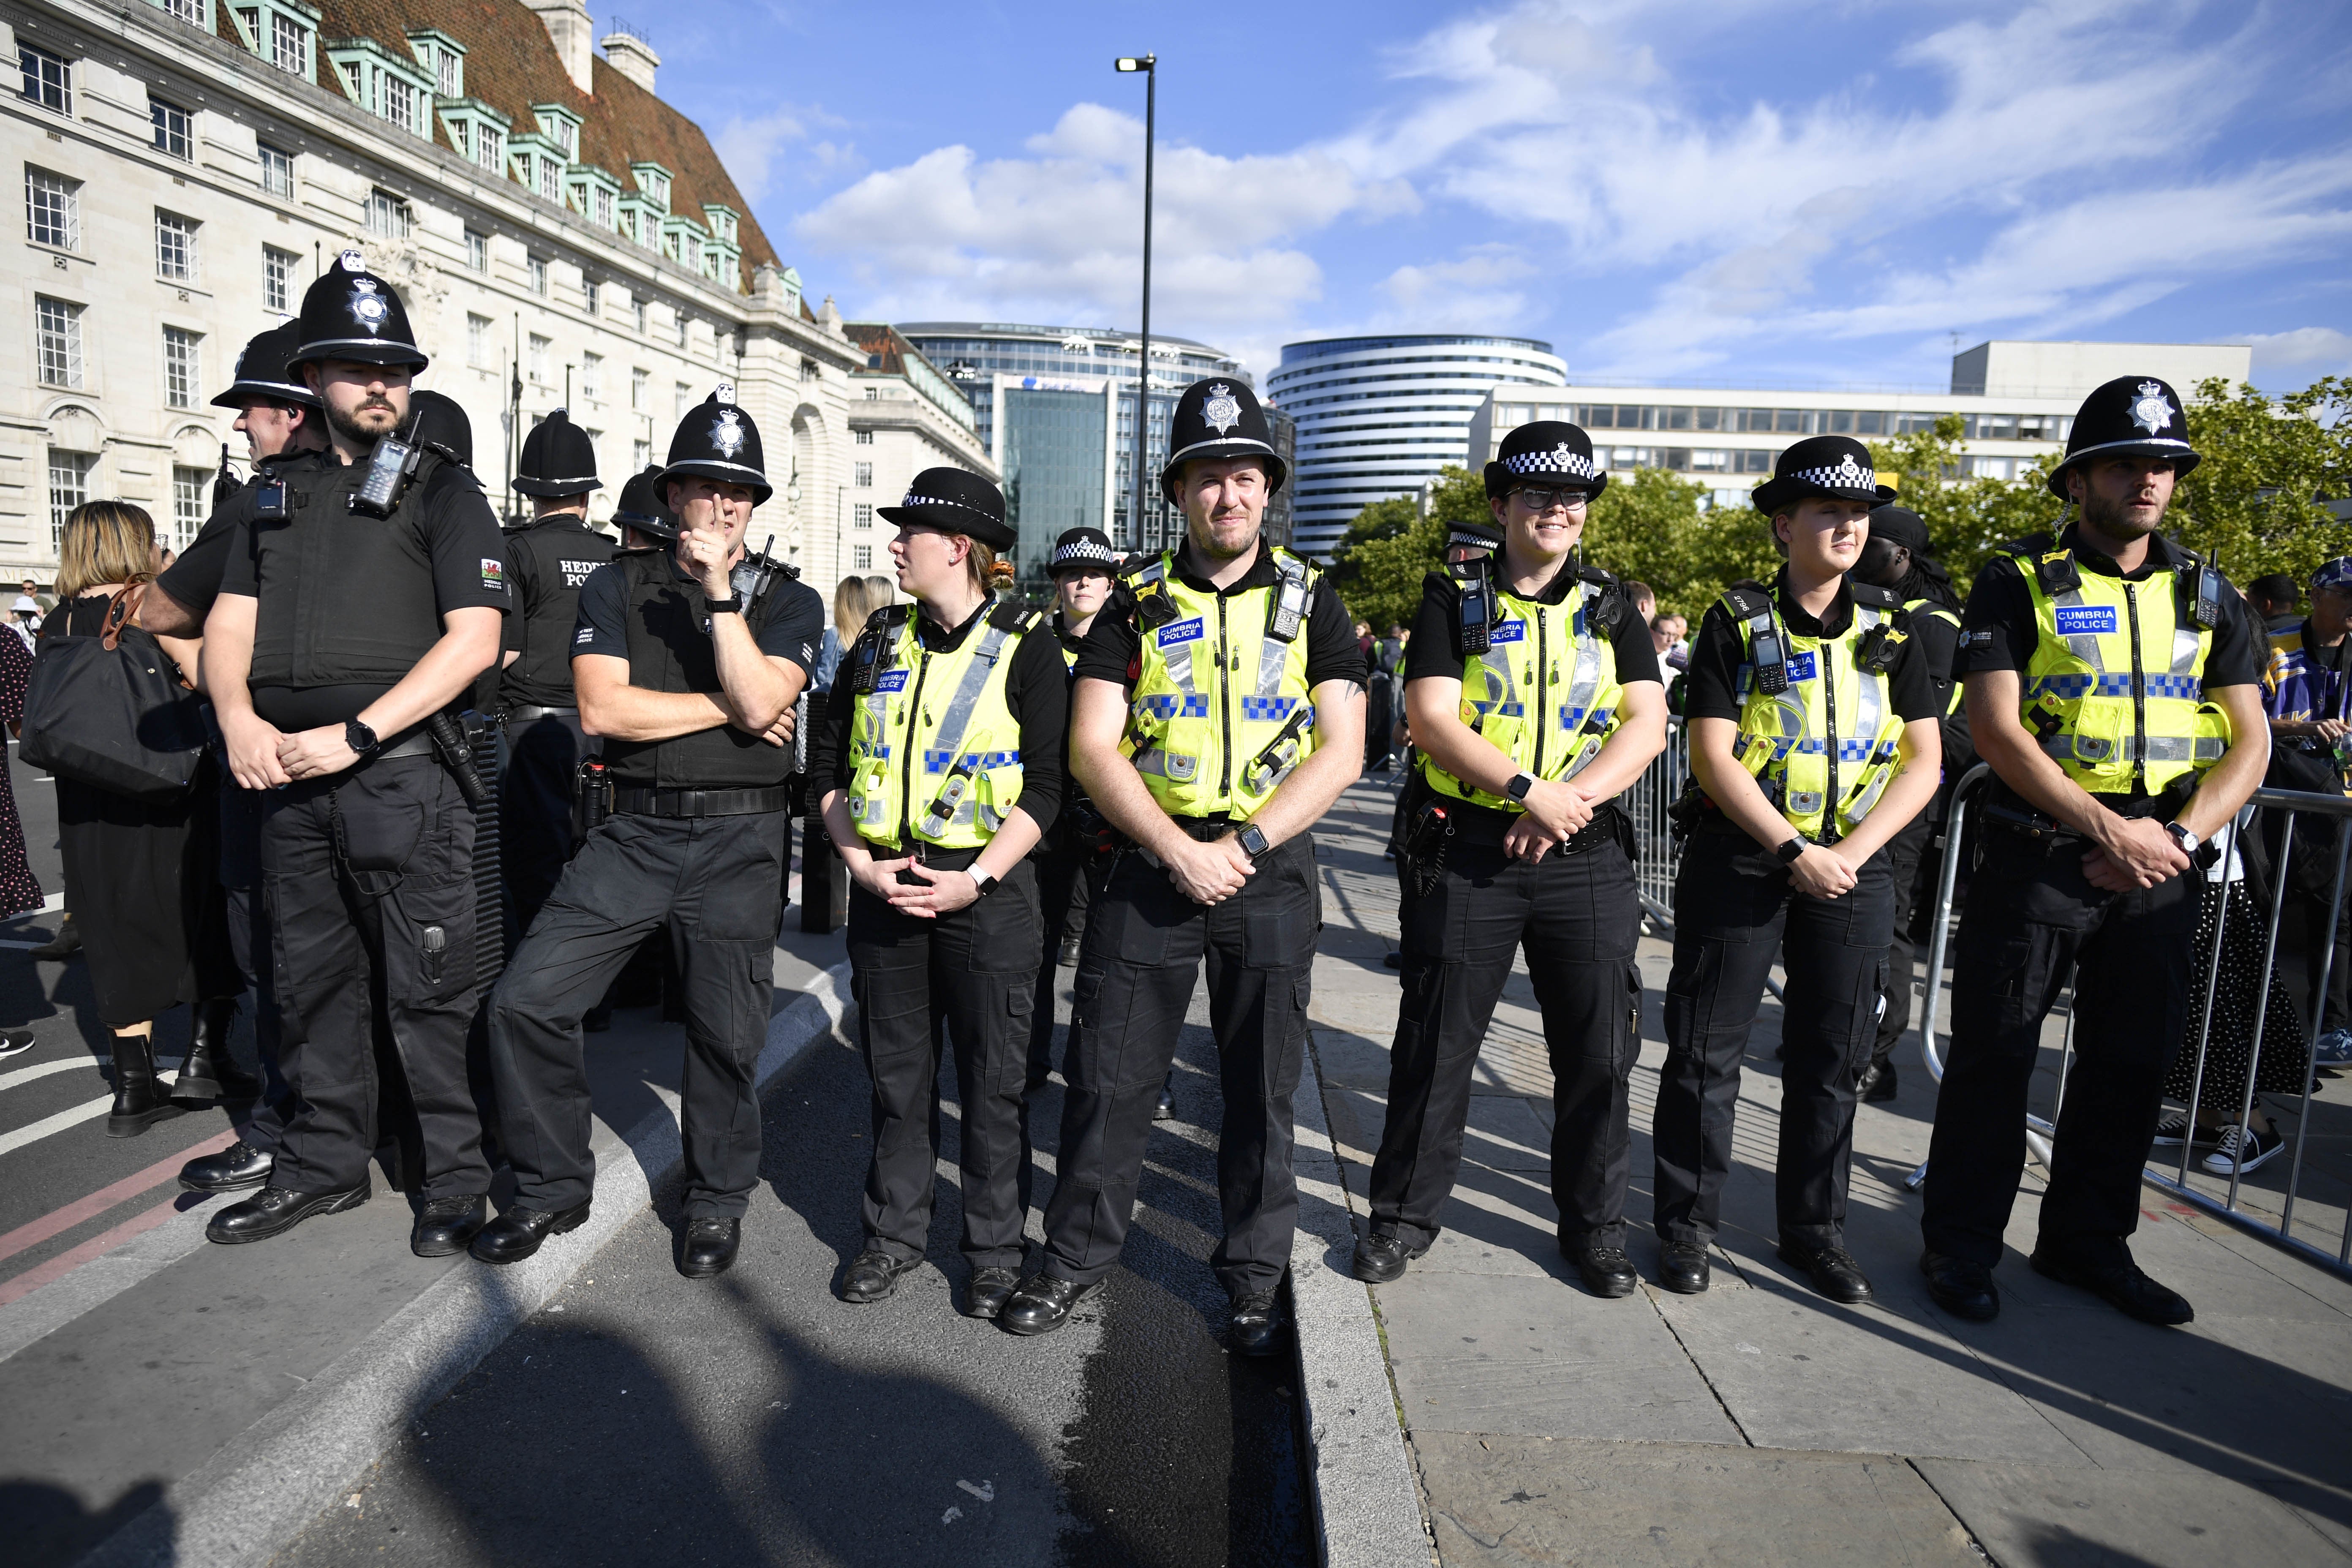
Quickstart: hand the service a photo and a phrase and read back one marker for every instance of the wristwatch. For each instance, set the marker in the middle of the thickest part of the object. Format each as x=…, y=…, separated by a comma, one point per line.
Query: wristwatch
x=1793, y=850
x=1518, y=786
x=728, y=607
x=1253, y=840
x=979, y=878
x=359, y=737
x=2186, y=840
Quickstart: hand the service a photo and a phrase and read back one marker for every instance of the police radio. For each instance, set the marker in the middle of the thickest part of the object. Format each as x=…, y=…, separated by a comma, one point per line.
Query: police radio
x=754, y=573
x=390, y=468
x=1474, y=583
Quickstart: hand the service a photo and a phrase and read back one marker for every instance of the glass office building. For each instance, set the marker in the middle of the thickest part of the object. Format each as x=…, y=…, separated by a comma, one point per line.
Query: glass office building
x=1380, y=416
x=1039, y=374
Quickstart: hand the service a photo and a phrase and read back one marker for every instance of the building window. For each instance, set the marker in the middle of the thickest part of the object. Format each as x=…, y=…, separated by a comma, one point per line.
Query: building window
x=864, y=478
x=387, y=216
x=539, y=347
x=278, y=279
x=188, y=503
x=477, y=342
x=176, y=247
x=396, y=101
x=174, y=128
x=861, y=515
x=591, y=295
x=866, y=437
x=641, y=455
x=490, y=145
x=538, y=275
x=181, y=373
x=683, y=325
x=290, y=44
x=683, y=401
x=478, y=251
x=591, y=369
x=861, y=557
x=445, y=72
x=639, y=306
x=873, y=395
x=48, y=78
x=550, y=185
x=601, y=209
x=69, y=487
x=276, y=171
x=52, y=209
x=637, y=380
x=58, y=328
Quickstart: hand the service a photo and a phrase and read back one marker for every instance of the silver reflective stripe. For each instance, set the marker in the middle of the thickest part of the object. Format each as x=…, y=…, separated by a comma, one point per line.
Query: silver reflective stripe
x=1166, y=764
x=1586, y=755
x=949, y=739
x=2086, y=645
x=2157, y=748
x=1871, y=701
x=1584, y=675
x=2186, y=646
x=1273, y=653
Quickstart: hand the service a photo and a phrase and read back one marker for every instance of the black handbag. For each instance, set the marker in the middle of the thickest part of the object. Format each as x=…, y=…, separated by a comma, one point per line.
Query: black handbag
x=110, y=710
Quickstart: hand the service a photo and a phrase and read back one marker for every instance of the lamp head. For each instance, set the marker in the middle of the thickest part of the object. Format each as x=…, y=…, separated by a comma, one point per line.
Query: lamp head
x=1133, y=63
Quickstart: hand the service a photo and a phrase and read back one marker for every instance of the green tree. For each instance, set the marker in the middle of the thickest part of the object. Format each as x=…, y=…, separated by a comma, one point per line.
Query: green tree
x=1656, y=529
x=1966, y=516
x=1379, y=564
x=2256, y=503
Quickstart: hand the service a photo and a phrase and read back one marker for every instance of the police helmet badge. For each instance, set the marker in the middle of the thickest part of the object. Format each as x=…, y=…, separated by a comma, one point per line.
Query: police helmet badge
x=1222, y=411
x=368, y=307
x=727, y=433
x=2152, y=411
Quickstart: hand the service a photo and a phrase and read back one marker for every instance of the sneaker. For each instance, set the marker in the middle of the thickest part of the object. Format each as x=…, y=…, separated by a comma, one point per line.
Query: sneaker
x=2170, y=1132
x=2242, y=1151
x=2333, y=1049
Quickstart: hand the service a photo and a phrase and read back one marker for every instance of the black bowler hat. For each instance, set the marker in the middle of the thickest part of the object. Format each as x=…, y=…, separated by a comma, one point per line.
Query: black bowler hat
x=350, y=313
x=558, y=459
x=717, y=441
x=1082, y=549
x=956, y=501
x=1900, y=525
x=2131, y=416
x=1218, y=419
x=262, y=371
x=1548, y=453
x=1838, y=467
x=640, y=504
x=434, y=420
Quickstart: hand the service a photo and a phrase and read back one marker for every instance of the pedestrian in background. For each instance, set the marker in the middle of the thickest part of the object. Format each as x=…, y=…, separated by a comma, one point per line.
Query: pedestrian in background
x=2307, y=693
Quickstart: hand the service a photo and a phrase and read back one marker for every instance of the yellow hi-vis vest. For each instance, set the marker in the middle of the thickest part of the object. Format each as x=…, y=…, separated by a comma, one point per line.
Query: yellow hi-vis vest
x=934, y=751
x=1544, y=693
x=1816, y=727
x=1220, y=714
x=1929, y=607
x=2114, y=691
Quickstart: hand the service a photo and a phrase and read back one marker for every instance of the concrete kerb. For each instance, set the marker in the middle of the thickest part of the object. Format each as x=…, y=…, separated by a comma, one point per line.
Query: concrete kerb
x=259, y=1491
x=1367, y=1505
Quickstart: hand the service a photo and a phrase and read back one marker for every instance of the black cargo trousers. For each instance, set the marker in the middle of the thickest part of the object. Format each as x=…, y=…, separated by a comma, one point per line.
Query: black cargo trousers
x=241, y=811
x=367, y=882
x=535, y=840
x=969, y=974
x=715, y=884
x=1143, y=949
x=2032, y=917
x=1734, y=911
x=1578, y=915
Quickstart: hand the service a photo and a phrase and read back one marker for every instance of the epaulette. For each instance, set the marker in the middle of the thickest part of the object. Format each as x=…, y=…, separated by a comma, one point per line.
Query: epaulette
x=1876, y=597
x=889, y=618
x=2027, y=544
x=1015, y=617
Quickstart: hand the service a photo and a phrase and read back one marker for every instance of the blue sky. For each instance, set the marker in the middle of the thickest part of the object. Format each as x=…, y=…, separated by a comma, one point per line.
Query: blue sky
x=1738, y=191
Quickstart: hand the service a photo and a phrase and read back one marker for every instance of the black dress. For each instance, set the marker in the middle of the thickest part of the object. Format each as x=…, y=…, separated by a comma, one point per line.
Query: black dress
x=19, y=891
x=139, y=873
x=2284, y=1061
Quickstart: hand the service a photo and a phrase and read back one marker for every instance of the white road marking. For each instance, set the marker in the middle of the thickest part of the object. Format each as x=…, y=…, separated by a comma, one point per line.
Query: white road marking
x=35, y=1131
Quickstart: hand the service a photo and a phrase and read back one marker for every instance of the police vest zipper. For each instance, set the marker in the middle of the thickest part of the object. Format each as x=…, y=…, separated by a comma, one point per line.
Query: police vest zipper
x=2139, y=691
x=1224, y=708
x=910, y=754
x=1826, y=671
x=1540, y=706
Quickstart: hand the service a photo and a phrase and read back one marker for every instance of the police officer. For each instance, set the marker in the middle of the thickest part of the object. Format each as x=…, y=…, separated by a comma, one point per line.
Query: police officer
x=1898, y=557
x=1534, y=697
x=1813, y=742
x=361, y=597
x=2113, y=689
x=1067, y=857
x=547, y=559
x=278, y=417
x=685, y=659
x=941, y=766
x=1219, y=712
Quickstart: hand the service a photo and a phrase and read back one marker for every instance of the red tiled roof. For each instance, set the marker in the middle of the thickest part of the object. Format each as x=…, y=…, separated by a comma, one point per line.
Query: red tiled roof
x=882, y=343
x=511, y=64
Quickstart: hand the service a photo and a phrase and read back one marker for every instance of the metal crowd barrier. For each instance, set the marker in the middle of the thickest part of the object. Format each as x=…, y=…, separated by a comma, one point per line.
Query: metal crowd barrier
x=1645, y=801
x=2176, y=1184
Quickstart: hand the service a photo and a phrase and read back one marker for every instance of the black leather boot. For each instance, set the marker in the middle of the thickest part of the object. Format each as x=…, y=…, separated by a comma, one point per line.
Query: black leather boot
x=210, y=1073
x=138, y=1103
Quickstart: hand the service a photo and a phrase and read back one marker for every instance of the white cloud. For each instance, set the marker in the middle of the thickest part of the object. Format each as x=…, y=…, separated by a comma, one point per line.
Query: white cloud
x=756, y=151
x=2304, y=354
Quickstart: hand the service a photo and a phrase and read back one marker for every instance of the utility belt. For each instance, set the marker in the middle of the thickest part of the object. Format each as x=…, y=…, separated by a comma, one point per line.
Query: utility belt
x=443, y=736
x=922, y=852
x=1433, y=821
x=2010, y=814
x=683, y=803
x=528, y=713
x=418, y=742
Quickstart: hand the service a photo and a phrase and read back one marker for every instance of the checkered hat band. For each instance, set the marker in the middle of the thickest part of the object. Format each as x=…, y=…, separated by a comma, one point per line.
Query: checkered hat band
x=1555, y=463
x=914, y=498
x=1084, y=550
x=1844, y=475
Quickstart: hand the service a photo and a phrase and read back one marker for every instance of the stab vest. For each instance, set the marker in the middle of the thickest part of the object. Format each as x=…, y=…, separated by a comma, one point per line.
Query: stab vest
x=934, y=750
x=1930, y=608
x=1220, y=713
x=669, y=650
x=548, y=562
x=2114, y=691
x=1544, y=693
x=344, y=597
x=1816, y=727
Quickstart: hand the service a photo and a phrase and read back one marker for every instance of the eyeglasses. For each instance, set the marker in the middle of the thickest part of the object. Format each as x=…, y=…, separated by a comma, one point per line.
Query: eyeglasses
x=1543, y=501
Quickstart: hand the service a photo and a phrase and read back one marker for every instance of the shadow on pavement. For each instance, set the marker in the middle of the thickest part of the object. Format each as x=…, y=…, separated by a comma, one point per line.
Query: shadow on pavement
x=49, y=1524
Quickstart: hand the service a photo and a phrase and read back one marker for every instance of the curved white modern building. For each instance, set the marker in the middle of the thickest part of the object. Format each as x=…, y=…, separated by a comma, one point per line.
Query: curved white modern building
x=1378, y=416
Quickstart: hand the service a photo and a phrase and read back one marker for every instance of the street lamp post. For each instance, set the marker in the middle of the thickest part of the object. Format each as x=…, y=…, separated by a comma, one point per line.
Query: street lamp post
x=1150, y=65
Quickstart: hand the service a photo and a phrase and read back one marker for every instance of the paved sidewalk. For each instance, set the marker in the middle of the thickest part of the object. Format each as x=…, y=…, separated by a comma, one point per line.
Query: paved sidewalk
x=1762, y=1424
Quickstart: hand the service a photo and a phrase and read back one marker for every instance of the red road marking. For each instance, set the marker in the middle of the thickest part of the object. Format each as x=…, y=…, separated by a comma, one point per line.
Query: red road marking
x=98, y=1203
x=65, y=1263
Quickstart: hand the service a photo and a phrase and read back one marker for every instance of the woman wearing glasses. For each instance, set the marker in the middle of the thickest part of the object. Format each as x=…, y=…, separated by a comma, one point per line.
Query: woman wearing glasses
x=1534, y=698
